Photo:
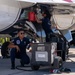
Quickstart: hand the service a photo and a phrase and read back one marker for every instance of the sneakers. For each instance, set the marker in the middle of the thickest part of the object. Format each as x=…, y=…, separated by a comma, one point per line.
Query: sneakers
x=67, y=70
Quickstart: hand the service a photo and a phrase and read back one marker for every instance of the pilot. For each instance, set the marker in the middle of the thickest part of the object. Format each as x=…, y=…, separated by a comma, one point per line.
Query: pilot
x=18, y=49
x=46, y=24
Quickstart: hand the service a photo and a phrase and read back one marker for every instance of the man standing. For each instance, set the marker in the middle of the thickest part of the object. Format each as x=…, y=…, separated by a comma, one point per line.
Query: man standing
x=18, y=49
x=46, y=24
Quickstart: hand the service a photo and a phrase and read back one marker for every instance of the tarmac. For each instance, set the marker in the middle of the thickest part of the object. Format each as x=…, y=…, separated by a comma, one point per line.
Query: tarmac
x=5, y=67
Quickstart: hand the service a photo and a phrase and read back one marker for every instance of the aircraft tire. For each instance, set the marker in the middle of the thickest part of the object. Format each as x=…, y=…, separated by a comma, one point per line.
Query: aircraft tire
x=4, y=50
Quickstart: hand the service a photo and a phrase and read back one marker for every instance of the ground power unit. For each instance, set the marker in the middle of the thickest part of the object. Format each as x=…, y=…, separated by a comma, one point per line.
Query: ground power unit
x=45, y=54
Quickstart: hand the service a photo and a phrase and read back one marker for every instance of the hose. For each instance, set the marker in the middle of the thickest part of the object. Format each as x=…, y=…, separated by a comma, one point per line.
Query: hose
x=24, y=69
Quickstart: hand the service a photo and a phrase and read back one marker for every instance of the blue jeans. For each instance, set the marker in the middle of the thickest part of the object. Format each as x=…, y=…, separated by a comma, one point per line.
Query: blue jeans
x=48, y=37
x=21, y=55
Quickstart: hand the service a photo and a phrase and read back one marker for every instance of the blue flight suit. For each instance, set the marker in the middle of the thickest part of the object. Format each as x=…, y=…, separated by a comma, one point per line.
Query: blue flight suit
x=47, y=27
x=22, y=54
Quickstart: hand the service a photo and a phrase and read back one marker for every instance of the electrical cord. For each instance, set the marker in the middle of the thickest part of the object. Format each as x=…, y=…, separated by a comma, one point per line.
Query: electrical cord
x=24, y=68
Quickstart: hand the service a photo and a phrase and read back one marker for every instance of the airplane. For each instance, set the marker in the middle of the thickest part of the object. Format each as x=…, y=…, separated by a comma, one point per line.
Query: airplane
x=11, y=11
x=13, y=16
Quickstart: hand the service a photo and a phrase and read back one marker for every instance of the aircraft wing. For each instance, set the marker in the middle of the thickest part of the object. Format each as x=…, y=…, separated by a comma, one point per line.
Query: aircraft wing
x=11, y=10
x=45, y=1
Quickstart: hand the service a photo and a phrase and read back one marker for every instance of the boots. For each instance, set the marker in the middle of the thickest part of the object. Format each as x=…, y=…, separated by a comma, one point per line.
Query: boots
x=12, y=65
x=22, y=64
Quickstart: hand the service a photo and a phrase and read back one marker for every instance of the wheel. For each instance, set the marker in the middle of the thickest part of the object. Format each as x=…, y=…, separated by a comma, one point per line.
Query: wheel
x=35, y=67
x=4, y=50
x=58, y=62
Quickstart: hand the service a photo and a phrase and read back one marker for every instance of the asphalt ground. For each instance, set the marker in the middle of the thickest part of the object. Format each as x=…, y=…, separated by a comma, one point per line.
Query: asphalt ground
x=5, y=67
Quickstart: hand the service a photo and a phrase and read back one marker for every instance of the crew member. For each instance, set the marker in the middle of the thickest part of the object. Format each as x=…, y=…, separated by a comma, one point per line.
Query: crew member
x=18, y=49
x=46, y=24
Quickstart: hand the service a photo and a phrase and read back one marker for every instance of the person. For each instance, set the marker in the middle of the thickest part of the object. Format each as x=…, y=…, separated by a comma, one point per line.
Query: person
x=46, y=24
x=18, y=49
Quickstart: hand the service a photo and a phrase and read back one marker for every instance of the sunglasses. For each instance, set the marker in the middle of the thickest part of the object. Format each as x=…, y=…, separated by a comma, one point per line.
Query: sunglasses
x=21, y=33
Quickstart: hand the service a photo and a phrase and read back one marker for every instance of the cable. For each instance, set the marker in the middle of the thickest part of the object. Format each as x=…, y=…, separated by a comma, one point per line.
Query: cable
x=24, y=69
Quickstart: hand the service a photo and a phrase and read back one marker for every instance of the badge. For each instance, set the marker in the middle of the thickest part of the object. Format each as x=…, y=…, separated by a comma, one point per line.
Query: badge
x=18, y=42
